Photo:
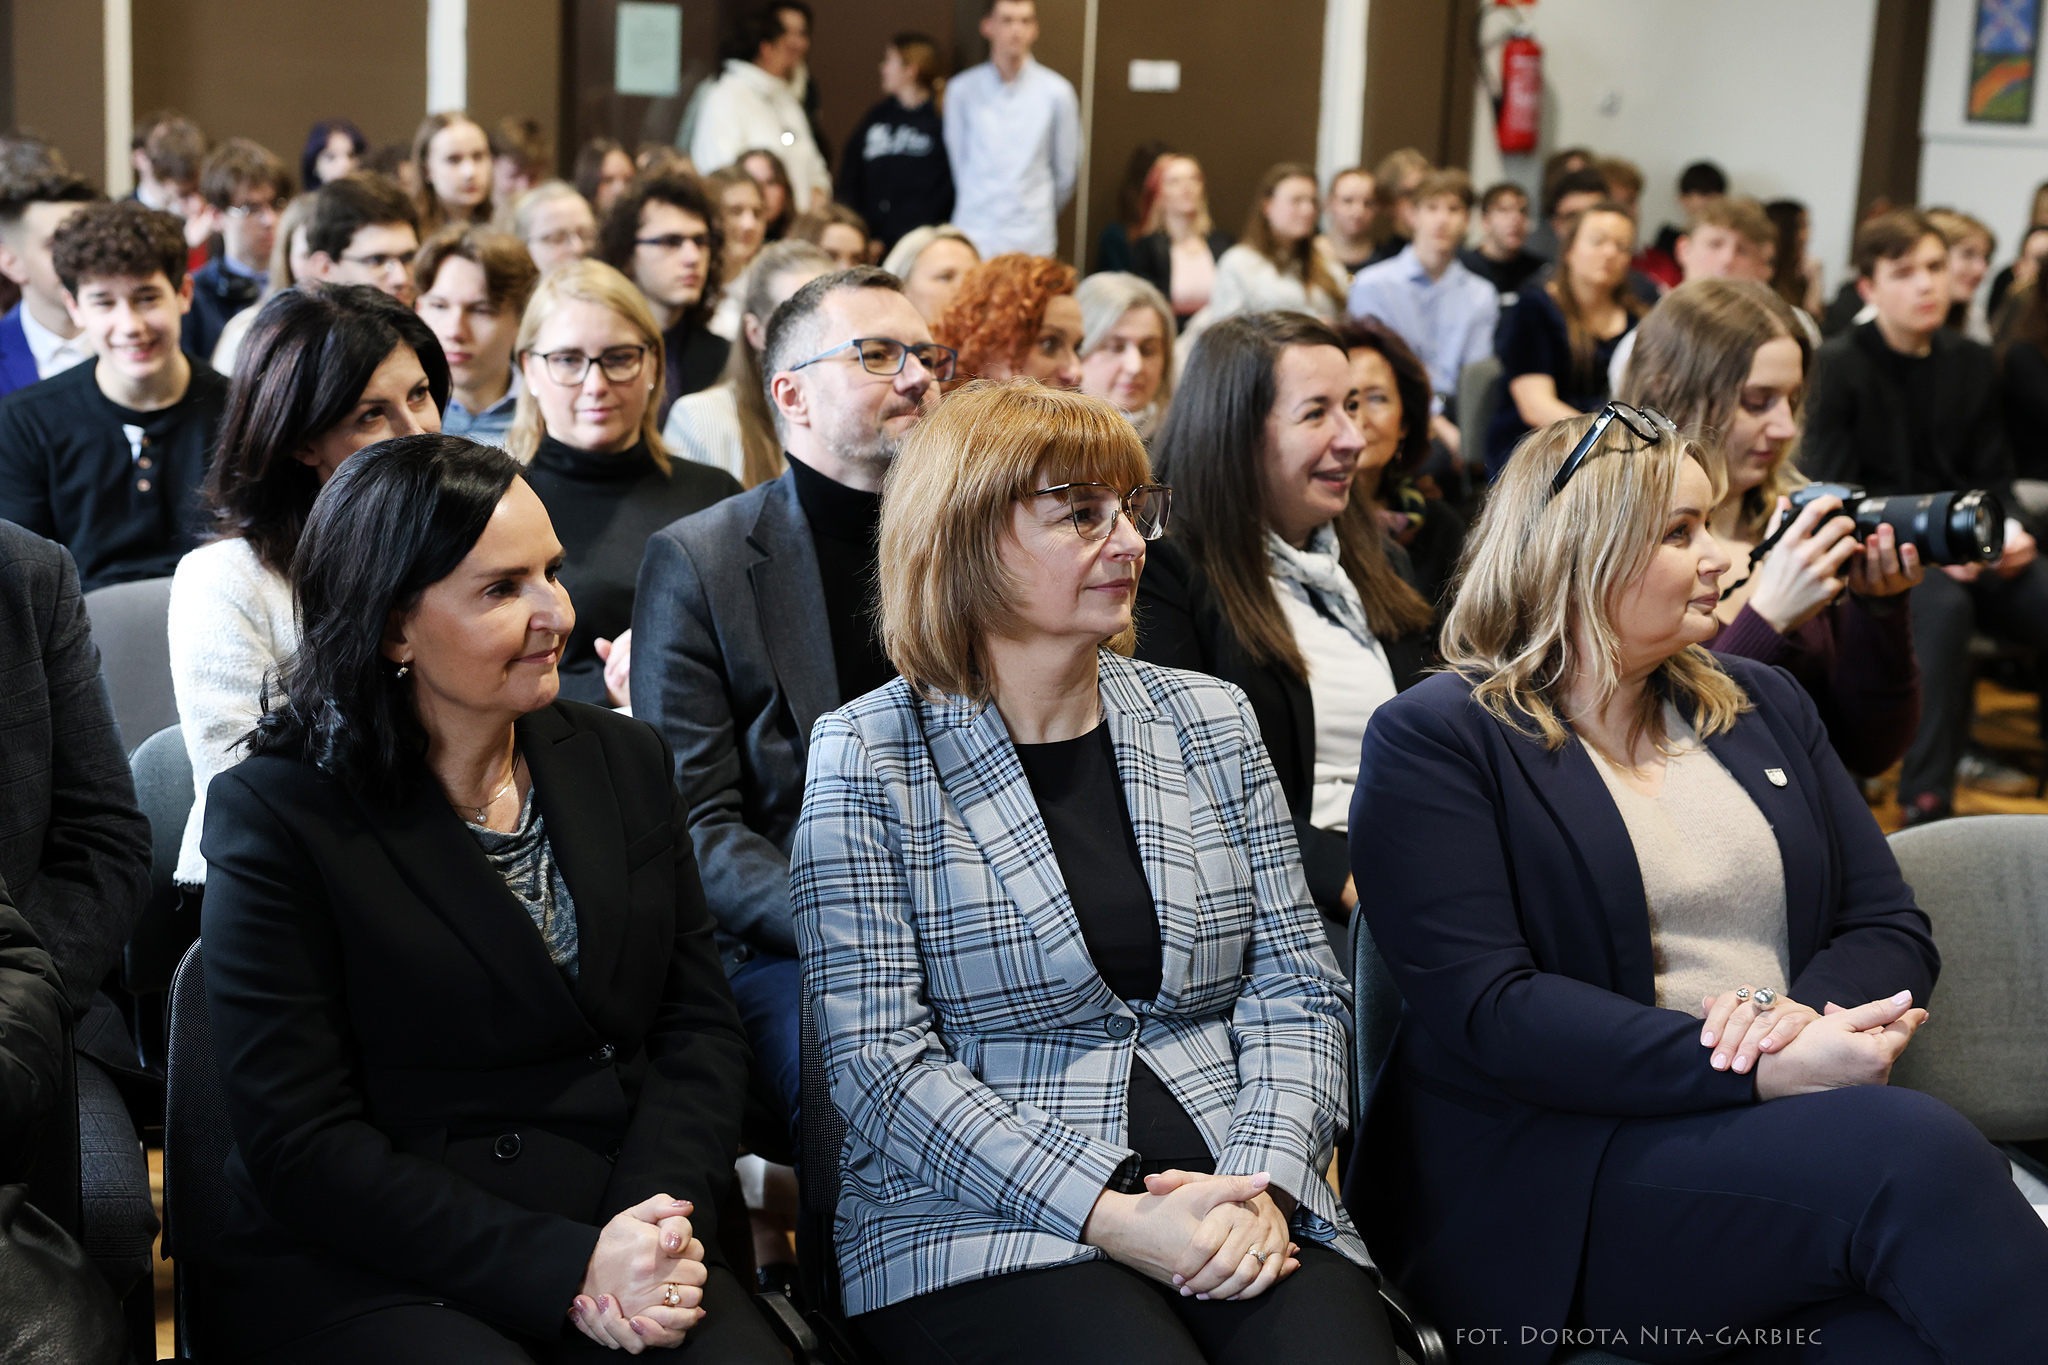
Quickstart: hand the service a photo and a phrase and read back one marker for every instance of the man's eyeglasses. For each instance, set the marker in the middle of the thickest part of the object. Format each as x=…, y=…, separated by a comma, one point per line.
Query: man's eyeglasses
x=675, y=241
x=266, y=209
x=885, y=355
x=383, y=260
x=584, y=237
x=1094, y=507
x=570, y=368
x=1645, y=424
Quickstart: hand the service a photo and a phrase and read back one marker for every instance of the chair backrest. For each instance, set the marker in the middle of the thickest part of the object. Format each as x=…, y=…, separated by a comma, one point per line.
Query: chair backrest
x=1983, y=881
x=163, y=788
x=197, y=1141
x=130, y=624
x=1478, y=393
x=1376, y=1014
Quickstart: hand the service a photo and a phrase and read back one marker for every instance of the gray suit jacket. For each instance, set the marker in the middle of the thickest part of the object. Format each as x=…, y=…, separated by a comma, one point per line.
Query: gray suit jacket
x=981, y=1062
x=732, y=662
x=74, y=847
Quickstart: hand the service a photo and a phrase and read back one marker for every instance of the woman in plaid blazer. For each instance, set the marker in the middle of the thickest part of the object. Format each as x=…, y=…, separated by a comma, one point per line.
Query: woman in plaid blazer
x=1075, y=1003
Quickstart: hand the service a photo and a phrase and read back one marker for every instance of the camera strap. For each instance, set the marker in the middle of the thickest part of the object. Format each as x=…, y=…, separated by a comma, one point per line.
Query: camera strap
x=1756, y=556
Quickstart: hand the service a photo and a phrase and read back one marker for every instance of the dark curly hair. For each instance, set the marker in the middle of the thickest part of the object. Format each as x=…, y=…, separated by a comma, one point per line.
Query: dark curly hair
x=1000, y=305
x=119, y=240
x=686, y=192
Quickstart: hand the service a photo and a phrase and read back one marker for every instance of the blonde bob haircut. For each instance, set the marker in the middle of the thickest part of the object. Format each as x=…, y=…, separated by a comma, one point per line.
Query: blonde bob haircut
x=1538, y=567
x=949, y=504
x=588, y=281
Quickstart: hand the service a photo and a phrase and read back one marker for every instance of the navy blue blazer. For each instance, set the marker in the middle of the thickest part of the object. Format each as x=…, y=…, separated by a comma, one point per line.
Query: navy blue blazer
x=1501, y=887
x=17, y=361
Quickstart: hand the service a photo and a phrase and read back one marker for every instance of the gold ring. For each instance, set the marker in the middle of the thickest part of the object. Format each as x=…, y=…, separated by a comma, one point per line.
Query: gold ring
x=671, y=1296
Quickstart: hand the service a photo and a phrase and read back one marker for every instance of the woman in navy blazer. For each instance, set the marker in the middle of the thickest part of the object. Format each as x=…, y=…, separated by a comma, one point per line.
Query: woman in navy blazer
x=1558, y=1151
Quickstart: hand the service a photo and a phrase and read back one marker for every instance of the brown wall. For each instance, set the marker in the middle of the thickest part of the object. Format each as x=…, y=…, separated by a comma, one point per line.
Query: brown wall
x=1420, y=69
x=515, y=62
x=846, y=55
x=269, y=71
x=57, y=52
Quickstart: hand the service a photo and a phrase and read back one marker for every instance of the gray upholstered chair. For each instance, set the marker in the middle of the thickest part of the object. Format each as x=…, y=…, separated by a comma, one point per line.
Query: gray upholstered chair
x=130, y=626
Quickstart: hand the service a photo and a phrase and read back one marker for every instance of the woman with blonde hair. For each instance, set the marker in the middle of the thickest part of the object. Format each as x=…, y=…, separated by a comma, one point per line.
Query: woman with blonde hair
x=1971, y=246
x=931, y=262
x=1727, y=359
x=556, y=223
x=1178, y=246
x=453, y=154
x=1016, y=315
x=1077, y=1013
x=592, y=361
x=730, y=426
x=1127, y=331
x=1277, y=264
x=1656, y=962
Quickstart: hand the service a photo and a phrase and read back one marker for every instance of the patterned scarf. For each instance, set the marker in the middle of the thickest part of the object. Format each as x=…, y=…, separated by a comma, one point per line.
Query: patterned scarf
x=1329, y=587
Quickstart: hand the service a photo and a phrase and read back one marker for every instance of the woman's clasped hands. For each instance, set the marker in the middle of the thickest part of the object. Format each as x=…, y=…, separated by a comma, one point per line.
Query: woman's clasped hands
x=1210, y=1236
x=645, y=1282
x=1798, y=1051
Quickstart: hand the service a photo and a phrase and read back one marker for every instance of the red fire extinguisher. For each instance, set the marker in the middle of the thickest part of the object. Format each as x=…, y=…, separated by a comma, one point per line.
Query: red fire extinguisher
x=1521, y=93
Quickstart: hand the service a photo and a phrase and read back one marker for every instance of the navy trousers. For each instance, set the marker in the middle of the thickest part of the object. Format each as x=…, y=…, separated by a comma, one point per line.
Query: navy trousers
x=1870, y=1225
x=767, y=988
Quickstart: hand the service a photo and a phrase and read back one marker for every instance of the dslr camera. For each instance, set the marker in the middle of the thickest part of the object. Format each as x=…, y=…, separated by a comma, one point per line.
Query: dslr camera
x=1946, y=528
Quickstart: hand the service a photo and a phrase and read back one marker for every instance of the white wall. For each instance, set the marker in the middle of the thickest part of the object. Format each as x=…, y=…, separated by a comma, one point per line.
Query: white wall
x=1773, y=91
x=1985, y=169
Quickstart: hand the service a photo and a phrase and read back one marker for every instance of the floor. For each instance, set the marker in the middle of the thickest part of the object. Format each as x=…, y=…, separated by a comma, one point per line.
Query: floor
x=2006, y=725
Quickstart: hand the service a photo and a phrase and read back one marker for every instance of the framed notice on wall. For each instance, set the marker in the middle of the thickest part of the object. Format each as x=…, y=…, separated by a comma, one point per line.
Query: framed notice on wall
x=649, y=57
x=2003, y=51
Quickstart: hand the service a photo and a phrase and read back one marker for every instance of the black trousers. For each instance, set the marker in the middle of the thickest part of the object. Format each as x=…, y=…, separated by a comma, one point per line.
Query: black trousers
x=1945, y=614
x=732, y=1333
x=1867, y=1226
x=1099, y=1311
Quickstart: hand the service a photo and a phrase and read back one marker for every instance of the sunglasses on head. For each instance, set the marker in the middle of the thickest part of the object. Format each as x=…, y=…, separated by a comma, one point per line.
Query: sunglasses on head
x=1645, y=424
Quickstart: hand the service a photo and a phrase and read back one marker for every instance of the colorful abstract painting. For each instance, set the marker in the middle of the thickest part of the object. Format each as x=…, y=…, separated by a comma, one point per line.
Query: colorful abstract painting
x=2002, y=53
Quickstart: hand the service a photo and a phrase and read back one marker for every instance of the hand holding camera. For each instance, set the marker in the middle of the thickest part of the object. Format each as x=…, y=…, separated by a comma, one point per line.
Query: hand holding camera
x=1809, y=567
x=1896, y=536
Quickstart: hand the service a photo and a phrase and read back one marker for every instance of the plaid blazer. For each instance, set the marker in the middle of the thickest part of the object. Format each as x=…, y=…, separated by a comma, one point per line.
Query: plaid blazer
x=980, y=1060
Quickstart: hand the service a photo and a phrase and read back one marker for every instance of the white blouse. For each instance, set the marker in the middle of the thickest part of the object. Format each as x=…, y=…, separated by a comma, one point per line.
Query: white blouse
x=1347, y=682
x=705, y=426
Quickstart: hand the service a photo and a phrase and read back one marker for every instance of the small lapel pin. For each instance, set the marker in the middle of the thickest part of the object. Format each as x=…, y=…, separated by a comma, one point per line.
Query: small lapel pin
x=1776, y=775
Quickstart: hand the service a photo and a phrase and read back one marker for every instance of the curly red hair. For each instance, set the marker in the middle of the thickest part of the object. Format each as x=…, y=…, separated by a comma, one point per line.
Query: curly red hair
x=997, y=311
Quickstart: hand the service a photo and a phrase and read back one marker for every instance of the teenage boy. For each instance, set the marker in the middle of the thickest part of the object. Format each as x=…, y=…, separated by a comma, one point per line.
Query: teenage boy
x=166, y=152
x=245, y=187
x=1501, y=258
x=1442, y=310
x=1013, y=132
x=1899, y=404
x=1699, y=185
x=1730, y=239
x=662, y=235
x=364, y=230
x=107, y=459
x=473, y=285
x=38, y=339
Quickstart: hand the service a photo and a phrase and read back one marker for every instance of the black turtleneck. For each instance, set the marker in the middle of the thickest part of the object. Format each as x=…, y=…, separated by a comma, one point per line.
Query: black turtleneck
x=604, y=508
x=844, y=523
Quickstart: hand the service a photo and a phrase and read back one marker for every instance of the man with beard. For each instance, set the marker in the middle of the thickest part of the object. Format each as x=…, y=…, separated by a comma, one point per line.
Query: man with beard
x=756, y=616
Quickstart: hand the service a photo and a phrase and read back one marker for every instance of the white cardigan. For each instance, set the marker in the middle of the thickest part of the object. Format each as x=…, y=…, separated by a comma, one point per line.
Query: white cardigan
x=231, y=624
x=705, y=426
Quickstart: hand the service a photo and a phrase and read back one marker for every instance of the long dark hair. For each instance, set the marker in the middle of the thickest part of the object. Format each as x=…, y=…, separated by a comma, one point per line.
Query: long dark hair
x=316, y=143
x=1210, y=450
x=1577, y=329
x=1411, y=382
x=396, y=519
x=303, y=367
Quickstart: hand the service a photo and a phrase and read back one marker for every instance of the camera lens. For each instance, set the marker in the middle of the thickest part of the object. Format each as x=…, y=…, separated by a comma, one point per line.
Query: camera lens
x=1977, y=522
x=1947, y=528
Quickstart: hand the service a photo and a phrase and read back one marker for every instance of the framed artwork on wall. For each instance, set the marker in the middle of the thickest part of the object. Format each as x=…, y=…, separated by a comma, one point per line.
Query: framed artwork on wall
x=2003, y=49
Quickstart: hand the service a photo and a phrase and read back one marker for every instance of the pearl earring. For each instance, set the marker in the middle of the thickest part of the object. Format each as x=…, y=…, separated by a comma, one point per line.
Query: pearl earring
x=404, y=669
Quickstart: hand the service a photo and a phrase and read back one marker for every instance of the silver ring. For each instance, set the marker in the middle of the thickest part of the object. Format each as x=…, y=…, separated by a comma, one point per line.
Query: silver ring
x=1742, y=994
x=1255, y=1254
x=1765, y=998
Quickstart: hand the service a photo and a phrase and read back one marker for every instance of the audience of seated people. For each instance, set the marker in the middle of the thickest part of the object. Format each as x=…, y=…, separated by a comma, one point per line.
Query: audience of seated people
x=363, y=230
x=1667, y=970
x=931, y=262
x=1015, y=315
x=1277, y=263
x=743, y=223
x=838, y=231
x=663, y=234
x=1126, y=351
x=1350, y=211
x=472, y=284
x=1393, y=420
x=38, y=338
x=1092, y=1074
x=1499, y=257
x=1178, y=246
x=245, y=187
x=556, y=223
x=777, y=195
x=1278, y=577
x=453, y=154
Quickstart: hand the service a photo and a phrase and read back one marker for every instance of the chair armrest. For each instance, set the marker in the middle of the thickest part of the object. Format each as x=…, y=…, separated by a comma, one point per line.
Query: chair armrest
x=1412, y=1332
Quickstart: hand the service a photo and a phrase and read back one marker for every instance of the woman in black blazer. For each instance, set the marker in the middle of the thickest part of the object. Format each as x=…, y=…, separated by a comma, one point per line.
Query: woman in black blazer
x=1273, y=567
x=1175, y=235
x=1657, y=961
x=482, y=1067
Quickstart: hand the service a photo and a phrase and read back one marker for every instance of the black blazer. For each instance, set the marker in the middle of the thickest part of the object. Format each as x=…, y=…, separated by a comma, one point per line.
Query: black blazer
x=1152, y=257
x=1501, y=887
x=425, y=1108
x=1181, y=625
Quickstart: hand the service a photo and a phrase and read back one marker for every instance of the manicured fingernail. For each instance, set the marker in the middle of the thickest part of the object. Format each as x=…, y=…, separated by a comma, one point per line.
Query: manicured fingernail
x=638, y=1330
x=672, y=1242
x=1185, y=1291
x=1178, y=1279
x=1720, y=1061
x=1707, y=1039
x=1741, y=1065
x=1203, y=1297
x=1902, y=997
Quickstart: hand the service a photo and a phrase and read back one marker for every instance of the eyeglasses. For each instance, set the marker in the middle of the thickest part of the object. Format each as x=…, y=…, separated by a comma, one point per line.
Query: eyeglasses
x=383, y=260
x=1645, y=424
x=1094, y=507
x=675, y=241
x=266, y=209
x=620, y=363
x=885, y=355
x=561, y=237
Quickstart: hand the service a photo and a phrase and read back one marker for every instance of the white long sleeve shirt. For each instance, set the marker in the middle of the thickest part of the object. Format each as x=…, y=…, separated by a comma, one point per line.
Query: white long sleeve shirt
x=1016, y=149
x=749, y=108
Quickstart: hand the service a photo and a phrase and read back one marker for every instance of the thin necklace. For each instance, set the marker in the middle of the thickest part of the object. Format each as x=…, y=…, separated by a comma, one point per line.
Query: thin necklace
x=483, y=812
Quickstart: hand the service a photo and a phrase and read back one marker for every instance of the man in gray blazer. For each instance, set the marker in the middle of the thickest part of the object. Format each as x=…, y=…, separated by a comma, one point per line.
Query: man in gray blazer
x=755, y=617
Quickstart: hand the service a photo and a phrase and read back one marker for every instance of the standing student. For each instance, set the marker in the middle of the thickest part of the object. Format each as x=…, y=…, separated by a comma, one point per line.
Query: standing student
x=1013, y=134
x=1276, y=263
x=664, y=235
x=334, y=147
x=245, y=187
x=1443, y=311
x=473, y=285
x=894, y=171
x=38, y=338
x=1350, y=211
x=556, y=224
x=1903, y=405
x=453, y=154
x=1016, y=315
x=1179, y=245
x=931, y=262
x=590, y=356
x=1500, y=256
x=754, y=104
x=1556, y=342
x=603, y=171
x=364, y=230
x=107, y=458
